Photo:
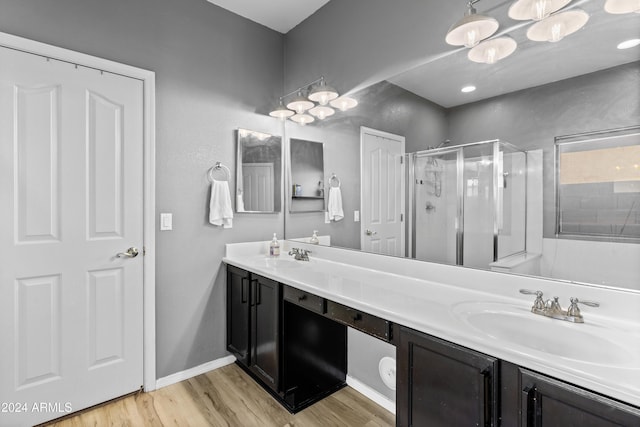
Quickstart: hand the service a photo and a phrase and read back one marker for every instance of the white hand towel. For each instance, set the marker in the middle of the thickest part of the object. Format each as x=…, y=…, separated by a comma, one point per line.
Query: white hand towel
x=220, y=210
x=335, y=204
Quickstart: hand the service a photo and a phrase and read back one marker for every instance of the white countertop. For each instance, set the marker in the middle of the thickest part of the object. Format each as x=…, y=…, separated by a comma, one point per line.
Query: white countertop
x=415, y=299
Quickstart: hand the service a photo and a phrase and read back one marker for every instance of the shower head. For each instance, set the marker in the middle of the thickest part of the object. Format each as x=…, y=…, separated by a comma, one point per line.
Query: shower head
x=445, y=142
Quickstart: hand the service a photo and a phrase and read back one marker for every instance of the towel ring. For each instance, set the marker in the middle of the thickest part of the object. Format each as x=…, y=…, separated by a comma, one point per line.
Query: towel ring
x=334, y=180
x=219, y=167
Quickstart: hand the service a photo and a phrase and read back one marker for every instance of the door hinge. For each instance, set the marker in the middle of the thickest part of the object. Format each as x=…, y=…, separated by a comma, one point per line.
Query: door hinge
x=401, y=217
x=144, y=251
x=401, y=160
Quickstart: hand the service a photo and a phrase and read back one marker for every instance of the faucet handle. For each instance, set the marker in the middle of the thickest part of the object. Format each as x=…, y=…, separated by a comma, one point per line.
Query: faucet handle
x=573, y=309
x=538, y=304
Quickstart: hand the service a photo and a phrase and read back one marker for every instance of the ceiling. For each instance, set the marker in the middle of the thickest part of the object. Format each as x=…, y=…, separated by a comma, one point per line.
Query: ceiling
x=591, y=49
x=440, y=77
x=279, y=15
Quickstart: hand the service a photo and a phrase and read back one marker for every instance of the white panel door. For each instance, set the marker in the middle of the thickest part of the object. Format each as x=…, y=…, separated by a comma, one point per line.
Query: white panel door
x=382, y=204
x=258, y=183
x=71, y=199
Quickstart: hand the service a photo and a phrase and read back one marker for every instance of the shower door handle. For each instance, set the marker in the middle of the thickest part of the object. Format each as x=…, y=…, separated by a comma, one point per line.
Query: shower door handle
x=370, y=232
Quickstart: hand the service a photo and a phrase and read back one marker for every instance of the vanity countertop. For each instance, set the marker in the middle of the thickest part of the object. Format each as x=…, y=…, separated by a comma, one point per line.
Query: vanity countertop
x=602, y=355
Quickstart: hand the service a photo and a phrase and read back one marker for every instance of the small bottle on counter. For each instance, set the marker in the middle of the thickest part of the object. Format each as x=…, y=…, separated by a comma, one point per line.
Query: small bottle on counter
x=314, y=239
x=274, y=247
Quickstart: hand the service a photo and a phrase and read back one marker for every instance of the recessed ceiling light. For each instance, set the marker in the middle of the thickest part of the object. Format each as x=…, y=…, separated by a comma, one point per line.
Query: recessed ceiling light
x=468, y=89
x=627, y=44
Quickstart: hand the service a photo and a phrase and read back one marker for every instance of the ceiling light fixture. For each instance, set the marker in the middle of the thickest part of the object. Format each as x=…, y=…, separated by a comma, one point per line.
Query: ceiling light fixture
x=536, y=10
x=468, y=89
x=558, y=26
x=628, y=44
x=491, y=51
x=302, y=109
x=472, y=28
x=622, y=6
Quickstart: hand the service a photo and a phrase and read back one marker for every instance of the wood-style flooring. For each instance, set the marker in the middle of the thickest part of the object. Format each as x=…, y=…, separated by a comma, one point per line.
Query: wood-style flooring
x=228, y=397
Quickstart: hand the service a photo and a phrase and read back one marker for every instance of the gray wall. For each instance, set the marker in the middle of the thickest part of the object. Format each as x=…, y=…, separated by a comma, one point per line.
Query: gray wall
x=213, y=69
x=532, y=118
x=356, y=43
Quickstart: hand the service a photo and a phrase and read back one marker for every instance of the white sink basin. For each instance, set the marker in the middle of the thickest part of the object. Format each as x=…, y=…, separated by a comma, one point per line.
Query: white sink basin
x=586, y=342
x=281, y=262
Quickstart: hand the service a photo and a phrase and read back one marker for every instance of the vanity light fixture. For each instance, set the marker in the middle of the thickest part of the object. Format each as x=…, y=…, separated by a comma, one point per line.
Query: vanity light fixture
x=628, y=44
x=302, y=109
x=281, y=112
x=622, y=6
x=322, y=112
x=472, y=28
x=322, y=93
x=491, y=51
x=535, y=10
x=302, y=119
x=468, y=89
x=300, y=104
x=344, y=103
x=558, y=26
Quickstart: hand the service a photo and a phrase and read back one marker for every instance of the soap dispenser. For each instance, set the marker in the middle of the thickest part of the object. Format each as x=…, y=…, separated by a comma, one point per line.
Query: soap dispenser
x=314, y=239
x=274, y=247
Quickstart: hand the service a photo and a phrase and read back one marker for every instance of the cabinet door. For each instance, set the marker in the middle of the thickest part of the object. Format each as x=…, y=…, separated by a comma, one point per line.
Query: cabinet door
x=546, y=402
x=443, y=384
x=265, y=330
x=238, y=313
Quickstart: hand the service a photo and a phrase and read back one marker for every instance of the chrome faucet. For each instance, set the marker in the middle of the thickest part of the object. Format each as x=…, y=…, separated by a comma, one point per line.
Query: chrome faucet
x=300, y=254
x=552, y=308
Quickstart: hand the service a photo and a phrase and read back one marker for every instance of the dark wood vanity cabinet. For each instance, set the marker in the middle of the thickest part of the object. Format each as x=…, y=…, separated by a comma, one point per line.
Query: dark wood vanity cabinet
x=295, y=344
x=545, y=401
x=253, y=323
x=238, y=305
x=265, y=330
x=443, y=384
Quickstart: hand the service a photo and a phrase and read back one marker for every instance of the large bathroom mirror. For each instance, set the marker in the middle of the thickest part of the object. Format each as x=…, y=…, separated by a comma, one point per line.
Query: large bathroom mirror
x=307, y=176
x=490, y=154
x=259, y=172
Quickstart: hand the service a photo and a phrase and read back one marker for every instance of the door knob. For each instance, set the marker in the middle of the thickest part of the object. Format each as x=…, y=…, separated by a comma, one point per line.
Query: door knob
x=131, y=253
x=370, y=232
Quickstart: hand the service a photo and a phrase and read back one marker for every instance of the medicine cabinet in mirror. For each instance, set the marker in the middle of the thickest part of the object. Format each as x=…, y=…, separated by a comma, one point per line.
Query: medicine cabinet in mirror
x=307, y=176
x=259, y=172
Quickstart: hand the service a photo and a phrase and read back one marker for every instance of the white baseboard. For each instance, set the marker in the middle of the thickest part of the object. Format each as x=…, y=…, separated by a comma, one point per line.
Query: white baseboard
x=372, y=394
x=195, y=371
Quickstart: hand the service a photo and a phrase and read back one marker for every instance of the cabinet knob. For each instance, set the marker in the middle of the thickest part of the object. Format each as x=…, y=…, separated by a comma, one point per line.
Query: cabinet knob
x=302, y=297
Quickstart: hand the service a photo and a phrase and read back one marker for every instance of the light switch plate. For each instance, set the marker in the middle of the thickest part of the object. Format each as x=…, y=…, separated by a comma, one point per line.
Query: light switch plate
x=166, y=221
x=356, y=216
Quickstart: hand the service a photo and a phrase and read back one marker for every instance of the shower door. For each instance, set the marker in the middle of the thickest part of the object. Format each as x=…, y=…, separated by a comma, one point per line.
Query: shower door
x=437, y=211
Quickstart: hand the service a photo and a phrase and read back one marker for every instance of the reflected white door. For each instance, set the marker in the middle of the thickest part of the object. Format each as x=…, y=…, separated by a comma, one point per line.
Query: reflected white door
x=71, y=199
x=257, y=183
x=382, y=204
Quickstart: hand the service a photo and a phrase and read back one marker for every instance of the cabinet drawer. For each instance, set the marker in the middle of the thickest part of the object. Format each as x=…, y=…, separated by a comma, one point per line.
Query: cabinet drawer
x=305, y=299
x=364, y=322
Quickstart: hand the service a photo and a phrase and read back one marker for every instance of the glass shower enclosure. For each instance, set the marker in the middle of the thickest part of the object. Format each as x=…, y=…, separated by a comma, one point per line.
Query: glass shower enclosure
x=467, y=203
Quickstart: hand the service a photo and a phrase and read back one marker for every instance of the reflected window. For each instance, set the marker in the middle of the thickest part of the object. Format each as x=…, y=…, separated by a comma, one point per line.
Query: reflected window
x=598, y=184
